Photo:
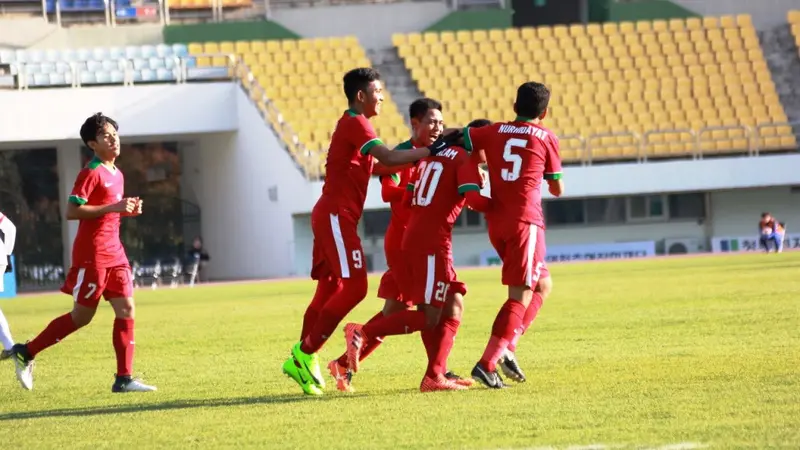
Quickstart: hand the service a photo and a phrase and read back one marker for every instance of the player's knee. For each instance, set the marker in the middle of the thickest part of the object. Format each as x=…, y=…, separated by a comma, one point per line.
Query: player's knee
x=520, y=293
x=454, y=308
x=82, y=315
x=123, y=308
x=356, y=286
x=432, y=316
x=545, y=286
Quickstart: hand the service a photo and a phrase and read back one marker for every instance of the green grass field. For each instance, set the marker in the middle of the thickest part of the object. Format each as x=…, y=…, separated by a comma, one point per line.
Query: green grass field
x=641, y=354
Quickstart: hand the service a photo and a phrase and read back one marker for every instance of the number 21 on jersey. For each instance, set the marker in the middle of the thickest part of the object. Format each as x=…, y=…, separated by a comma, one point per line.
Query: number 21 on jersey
x=431, y=172
x=512, y=173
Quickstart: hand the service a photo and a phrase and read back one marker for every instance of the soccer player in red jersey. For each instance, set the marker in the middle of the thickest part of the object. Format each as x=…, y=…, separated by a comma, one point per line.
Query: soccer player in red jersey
x=443, y=183
x=338, y=259
x=518, y=155
x=100, y=267
x=427, y=125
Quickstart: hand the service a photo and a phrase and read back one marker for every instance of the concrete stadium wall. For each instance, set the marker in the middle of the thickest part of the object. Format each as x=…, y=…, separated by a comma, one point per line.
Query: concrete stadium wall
x=736, y=213
x=226, y=31
x=373, y=25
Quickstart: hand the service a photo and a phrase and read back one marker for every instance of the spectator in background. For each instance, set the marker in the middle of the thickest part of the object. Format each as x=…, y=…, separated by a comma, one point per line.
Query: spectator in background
x=197, y=255
x=771, y=231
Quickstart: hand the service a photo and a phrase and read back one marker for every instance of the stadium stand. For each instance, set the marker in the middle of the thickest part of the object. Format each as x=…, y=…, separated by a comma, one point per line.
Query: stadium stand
x=632, y=90
x=794, y=22
x=115, y=65
x=302, y=77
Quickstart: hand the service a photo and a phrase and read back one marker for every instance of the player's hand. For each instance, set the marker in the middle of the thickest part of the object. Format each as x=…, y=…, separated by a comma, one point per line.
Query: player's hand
x=138, y=210
x=443, y=142
x=126, y=205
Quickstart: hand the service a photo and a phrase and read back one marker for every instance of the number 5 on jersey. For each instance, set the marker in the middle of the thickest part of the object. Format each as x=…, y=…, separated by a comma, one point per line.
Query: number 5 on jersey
x=512, y=174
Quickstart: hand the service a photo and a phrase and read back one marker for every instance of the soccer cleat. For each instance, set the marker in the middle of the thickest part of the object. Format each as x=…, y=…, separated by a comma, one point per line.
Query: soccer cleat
x=342, y=375
x=5, y=354
x=508, y=363
x=291, y=368
x=355, y=340
x=488, y=379
x=439, y=383
x=308, y=365
x=129, y=384
x=467, y=382
x=24, y=365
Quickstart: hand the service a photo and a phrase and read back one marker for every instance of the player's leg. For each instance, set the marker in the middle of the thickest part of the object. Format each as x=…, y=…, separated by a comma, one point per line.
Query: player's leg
x=344, y=256
x=521, y=270
x=119, y=293
x=508, y=362
x=327, y=286
x=86, y=285
x=440, y=340
x=5, y=337
x=428, y=291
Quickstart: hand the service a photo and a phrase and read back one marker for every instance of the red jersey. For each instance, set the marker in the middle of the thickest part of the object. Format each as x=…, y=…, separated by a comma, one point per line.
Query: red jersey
x=519, y=154
x=401, y=211
x=97, y=243
x=437, y=198
x=348, y=166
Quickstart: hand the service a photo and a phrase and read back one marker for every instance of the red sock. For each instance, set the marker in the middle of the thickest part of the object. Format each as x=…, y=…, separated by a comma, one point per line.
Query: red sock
x=506, y=325
x=57, y=330
x=326, y=288
x=447, y=335
x=527, y=320
x=122, y=337
x=353, y=290
x=403, y=322
x=369, y=347
x=430, y=339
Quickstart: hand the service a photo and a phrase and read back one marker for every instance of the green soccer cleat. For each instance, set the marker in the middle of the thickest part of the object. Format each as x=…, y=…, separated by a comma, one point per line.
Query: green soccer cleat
x=309, y=365
x=292, y=371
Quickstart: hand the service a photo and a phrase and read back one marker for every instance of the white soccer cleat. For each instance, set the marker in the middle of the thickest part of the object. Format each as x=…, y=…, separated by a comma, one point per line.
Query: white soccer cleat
x=24, y=366
x=128, y=384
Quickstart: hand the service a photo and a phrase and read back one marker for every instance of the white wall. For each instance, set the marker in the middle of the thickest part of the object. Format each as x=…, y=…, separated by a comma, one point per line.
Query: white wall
x=736, y=213
x=766, y=13
x=372, y=24
x=69, y=161
x=248, y=234
x=165, y=109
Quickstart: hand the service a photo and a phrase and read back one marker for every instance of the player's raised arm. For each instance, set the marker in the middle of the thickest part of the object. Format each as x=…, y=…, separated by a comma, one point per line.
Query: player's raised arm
x=395, y=158
x=552, y=167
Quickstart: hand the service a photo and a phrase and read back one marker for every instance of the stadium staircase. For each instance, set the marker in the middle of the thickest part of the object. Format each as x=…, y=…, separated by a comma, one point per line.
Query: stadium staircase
x=396, y=77
x=780, y=51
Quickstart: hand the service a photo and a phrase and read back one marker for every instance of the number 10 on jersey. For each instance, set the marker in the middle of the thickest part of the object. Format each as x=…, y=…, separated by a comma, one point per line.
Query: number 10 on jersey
x=428, y=182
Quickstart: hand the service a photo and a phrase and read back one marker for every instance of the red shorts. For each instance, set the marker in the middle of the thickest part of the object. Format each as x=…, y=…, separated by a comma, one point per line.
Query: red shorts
x=337, y=247
x=522, y=249
x=88, y=284
x=389, y=289
x=427, y=278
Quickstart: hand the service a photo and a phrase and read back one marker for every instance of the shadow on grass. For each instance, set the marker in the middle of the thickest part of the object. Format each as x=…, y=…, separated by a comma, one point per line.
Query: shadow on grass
x=188, y=404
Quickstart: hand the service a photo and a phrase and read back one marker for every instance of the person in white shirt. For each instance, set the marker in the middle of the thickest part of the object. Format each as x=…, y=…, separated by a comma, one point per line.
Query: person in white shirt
x=6, y=247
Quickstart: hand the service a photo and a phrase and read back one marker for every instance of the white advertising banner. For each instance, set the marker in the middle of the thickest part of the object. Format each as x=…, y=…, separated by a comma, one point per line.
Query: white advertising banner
x=749, y=243
x=586, y=252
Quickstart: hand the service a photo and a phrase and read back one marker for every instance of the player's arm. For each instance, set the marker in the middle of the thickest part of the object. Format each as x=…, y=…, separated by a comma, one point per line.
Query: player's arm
x=387, y=157
x=408, y=196
x=391, y=190
x=382, y=171
x=77, y=209
x=476, y=140
x=552, y=167
x=469, y=185
x=10, y=231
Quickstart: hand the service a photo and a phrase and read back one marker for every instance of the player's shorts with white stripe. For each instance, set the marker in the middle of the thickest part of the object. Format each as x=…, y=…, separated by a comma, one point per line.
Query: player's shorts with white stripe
x=337, y=248
x=427, y=278
x=87, y=285
x=521, y=246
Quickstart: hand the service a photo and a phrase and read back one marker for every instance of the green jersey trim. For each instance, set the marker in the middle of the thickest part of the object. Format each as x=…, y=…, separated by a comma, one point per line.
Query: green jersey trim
x=369, y=144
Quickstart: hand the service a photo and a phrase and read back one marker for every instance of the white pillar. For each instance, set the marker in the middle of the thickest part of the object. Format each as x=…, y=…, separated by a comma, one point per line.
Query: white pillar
x=69, y=164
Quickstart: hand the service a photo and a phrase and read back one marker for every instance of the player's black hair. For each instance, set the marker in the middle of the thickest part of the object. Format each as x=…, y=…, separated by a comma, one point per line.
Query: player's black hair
x=764, y=214
x=782, y=224
x=93, y=125
x=421, y=106
x=358, y=80
x=532, y=99
x=477, y=123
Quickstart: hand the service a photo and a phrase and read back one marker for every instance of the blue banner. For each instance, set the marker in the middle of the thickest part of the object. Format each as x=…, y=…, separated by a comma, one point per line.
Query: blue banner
x=10, y=281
